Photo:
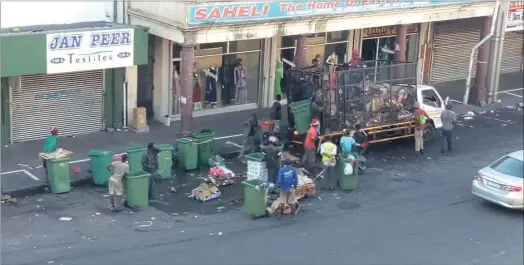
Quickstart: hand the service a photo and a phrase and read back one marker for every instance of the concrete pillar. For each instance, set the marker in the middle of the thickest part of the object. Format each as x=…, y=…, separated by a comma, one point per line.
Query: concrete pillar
x=479, y=93
x=301, y=53
x=186, y=86
x=400, y=51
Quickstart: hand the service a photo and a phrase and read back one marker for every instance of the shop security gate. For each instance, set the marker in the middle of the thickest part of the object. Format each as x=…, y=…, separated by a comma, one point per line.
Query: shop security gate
x=73, y=102
x=512, y=52
x=452, y=49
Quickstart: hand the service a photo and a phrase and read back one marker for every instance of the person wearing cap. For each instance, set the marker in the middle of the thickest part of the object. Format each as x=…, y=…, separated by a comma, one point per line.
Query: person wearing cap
x=308, y=160
x=49, y=147
x=150, y=165
x=448, y=118
x=420, y=122
x=328, y=150
x=119, y=171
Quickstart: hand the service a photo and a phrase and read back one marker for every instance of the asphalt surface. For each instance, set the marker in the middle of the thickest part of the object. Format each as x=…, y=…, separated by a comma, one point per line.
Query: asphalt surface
x=407, y=210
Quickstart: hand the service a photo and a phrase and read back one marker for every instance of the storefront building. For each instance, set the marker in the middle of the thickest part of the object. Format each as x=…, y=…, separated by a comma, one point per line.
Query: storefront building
x=73, y=78
x=267, y=37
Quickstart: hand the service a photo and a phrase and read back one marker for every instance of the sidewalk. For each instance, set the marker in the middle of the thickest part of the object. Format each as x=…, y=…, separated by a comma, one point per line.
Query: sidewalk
x=21, y=166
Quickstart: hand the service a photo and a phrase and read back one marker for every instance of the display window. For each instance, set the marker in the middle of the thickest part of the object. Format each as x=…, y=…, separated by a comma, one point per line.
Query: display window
x=225, y=74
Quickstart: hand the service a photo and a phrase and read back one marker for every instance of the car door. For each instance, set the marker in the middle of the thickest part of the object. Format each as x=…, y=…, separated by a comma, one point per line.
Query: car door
x=433, y=105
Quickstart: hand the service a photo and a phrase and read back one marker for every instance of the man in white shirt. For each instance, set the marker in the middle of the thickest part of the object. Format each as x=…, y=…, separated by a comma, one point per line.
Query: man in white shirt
x=119, y=171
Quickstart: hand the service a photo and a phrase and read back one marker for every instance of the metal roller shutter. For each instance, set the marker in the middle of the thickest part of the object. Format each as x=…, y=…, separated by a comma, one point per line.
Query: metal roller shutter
x=512, y=53
x=73, y=102
x=452, y=49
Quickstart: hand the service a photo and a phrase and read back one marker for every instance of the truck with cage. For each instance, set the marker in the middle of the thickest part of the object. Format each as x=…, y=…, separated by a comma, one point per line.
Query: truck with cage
x=378, y=95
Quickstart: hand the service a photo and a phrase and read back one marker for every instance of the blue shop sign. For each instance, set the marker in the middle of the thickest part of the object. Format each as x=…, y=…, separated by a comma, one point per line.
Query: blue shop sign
x=225, y=13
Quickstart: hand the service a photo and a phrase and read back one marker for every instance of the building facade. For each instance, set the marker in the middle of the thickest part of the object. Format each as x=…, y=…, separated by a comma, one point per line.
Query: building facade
x=73, y=75
x=214, y=36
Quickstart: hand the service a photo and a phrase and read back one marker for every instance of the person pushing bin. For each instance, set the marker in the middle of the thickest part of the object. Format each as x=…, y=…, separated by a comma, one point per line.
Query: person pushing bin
x=150, y=165
x=49, y=147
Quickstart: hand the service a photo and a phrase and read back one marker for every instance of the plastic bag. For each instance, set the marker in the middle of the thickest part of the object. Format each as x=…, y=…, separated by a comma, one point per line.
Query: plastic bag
x=348, y=169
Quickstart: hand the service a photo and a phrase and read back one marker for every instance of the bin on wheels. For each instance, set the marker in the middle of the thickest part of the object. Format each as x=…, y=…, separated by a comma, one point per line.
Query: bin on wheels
x=58, y=171
x=205, y=142
x=134, y=158
x=345, y=181
x=137, y=190
x=301, y=115
x=99, y=161
x=255, y=200
x=165, y=160
x=188, y=153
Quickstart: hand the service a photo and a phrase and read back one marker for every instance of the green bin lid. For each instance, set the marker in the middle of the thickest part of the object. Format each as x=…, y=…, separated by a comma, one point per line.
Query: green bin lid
x=138, y=174
x=100, y=153
x=58, y=160
x=203, y=135
x=258, y=157
x=186, y=140
x=136, y=149
x=164, y=147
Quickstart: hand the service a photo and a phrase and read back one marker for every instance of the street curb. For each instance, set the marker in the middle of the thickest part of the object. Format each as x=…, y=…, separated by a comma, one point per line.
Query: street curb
x=88, y=180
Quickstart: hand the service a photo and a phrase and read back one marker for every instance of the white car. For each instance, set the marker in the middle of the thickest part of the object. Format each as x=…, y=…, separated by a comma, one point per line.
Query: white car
x=502, y=182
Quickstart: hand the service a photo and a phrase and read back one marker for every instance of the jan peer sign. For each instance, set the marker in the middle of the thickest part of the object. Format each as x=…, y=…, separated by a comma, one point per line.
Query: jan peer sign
x=89, y=50
x=224, y=13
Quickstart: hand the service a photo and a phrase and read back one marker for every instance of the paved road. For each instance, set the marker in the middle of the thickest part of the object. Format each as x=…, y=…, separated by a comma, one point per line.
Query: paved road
x=407, y=210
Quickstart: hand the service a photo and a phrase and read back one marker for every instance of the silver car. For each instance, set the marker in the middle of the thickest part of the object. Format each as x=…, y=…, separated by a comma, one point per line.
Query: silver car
x=502, y=182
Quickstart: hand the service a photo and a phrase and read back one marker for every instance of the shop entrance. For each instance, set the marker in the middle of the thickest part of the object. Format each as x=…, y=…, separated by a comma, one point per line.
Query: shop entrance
x=377, y=52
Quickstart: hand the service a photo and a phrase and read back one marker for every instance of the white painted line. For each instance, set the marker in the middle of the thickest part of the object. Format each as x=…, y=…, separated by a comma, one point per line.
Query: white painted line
x=511, y=90
x=495, y=119
x=30, y=175
x=79, y=161
x=229, y=136
x=12, y=172
x=509, y=93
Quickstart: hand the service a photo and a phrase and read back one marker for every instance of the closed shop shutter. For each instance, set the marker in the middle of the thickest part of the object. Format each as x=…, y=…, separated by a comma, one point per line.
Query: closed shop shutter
x=452, y=49
x=73, y=102
x=512, y=54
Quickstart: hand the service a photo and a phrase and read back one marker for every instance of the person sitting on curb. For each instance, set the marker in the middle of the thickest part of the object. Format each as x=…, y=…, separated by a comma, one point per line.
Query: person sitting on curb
x=119, y=171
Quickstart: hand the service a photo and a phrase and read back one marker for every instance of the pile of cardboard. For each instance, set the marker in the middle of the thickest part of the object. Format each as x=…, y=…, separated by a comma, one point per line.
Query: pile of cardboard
x=59, y=153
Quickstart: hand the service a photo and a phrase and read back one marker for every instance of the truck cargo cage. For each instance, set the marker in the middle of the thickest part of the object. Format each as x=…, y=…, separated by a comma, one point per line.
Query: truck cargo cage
x=375, y=93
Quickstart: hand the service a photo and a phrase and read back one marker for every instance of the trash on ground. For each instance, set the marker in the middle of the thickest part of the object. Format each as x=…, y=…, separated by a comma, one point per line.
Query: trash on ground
x=205, y=192
x=468, y=118
x=469, y=114
x=8, y=198
x=65, y=219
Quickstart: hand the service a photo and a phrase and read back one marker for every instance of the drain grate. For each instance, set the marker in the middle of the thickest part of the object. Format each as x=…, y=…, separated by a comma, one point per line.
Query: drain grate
x=348, y=206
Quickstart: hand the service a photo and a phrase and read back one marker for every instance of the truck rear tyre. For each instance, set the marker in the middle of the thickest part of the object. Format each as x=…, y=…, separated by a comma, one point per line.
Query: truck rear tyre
x=430, y=133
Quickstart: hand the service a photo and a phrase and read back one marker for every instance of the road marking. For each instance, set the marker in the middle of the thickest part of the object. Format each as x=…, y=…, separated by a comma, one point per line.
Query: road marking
x=509, y=93
x=495, y=119
x=21, y=171
x=456, y=101
x=511, y=90
x=227, y=137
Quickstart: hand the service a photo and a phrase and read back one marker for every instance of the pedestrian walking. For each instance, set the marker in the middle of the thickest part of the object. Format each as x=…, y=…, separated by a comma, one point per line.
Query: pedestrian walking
x=250, y=131
x=421, y=118
x=272, y=154
x=328, y=150
x=448, y=118
x=119, y=171
x=150, y=165
x=49, y=147
x=308, y=160
x=288, y=182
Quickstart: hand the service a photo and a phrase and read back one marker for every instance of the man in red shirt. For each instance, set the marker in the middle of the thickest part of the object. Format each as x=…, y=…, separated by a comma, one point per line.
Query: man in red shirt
x=308, y=160
x=420, y=122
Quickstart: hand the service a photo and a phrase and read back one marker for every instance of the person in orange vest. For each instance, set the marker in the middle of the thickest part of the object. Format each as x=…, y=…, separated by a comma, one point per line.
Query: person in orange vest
x=308, y=160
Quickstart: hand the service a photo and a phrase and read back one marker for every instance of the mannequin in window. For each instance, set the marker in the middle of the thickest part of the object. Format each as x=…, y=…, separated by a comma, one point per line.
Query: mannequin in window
x=176, y=90
x=279, y=74
x=212, y=86
x=332, y=60
x=197, y=96
x=240, y=77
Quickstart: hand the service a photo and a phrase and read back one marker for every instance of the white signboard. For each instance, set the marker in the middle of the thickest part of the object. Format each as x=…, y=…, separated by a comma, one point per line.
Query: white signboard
x=89, y=50
x=515, y=16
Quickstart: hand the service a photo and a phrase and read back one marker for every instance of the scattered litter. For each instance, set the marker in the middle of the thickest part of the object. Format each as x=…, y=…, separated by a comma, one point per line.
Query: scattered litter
x=65, y=219
x=504, y=125
x=8, y=198
x=174, y=214
x=97, y=213
x=195, y=217
x=205, y=192
x=143, y=224
x=50, y=262
x=468, y=118
x=492, y=111
x=210, y=234
x=173, y=190
x=470, y=114
x=219, y=233
x=152, y=218
x=221, y=208
x=319, y=198
x=182, y=231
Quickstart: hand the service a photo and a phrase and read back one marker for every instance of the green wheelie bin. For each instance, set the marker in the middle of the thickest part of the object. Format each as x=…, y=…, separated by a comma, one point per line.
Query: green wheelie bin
x=345, y=181
x=255, y=200
x=99, y=161
x=134, y=158
x=165, y=160
x=301, y=115
x=188, y=153
x=205, y=142
x=137, y=190
x=58, y=171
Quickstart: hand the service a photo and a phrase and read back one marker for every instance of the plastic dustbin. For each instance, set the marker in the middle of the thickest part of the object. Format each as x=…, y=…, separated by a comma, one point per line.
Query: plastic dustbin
x=137, y=189
x=134, y=158
x=301, y=115
x=165, y=160
x=255, y=200
x=347, y=182
x=188, y=153
x=58, y=171
x=256, y=166
x=100, y=159
x=205, y=142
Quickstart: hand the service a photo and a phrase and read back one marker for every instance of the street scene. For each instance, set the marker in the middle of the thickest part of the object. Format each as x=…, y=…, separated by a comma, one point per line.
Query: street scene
x=308, y=132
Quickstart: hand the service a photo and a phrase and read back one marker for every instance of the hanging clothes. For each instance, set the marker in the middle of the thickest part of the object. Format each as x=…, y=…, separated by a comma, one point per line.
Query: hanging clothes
x=176, y=92
x=279, y=73
x=197, y=95
x=212, y=86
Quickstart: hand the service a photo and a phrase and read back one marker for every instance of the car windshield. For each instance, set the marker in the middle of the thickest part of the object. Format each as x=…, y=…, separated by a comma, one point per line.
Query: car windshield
x=509, y=166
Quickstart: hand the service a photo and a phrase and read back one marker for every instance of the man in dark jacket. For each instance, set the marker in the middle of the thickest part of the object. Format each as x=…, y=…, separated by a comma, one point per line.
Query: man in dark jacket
x=251, y=131
x=272, y=156
x=150, y=165
x=276, y=113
